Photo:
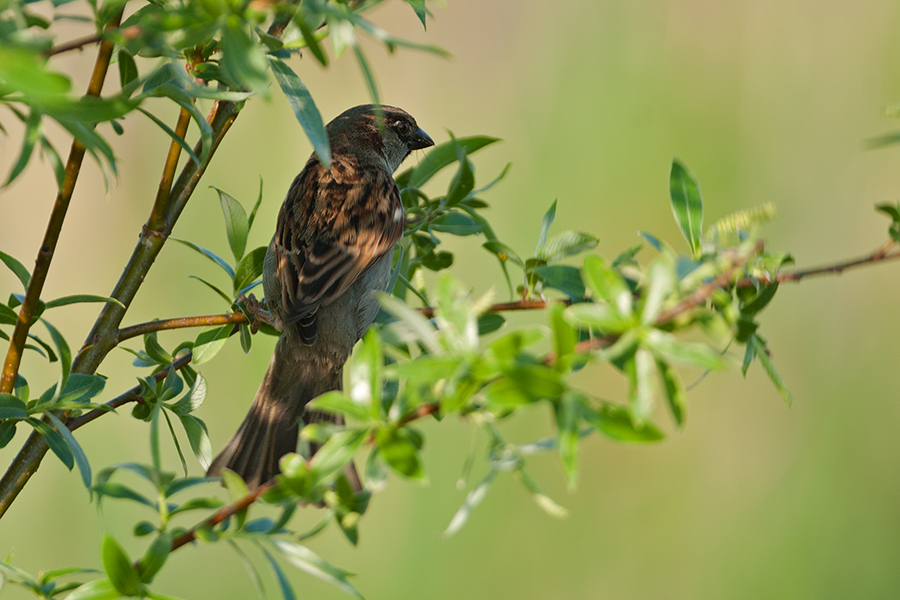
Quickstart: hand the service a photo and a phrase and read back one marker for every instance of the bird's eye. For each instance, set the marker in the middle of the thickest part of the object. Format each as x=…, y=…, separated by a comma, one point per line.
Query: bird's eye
x=403, y=128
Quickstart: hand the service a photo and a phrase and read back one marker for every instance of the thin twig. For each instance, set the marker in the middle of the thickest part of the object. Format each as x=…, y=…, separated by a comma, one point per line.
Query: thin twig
x=180, y=323
x=881, y=254
x=223, y=513
x=132, y=395
x=78, y=44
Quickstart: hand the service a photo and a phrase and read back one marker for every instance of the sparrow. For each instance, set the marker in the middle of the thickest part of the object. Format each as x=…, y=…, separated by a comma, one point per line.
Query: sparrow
x=331, y=250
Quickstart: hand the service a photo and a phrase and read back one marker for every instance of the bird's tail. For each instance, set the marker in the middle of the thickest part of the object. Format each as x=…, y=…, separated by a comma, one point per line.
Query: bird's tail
x=270, y=429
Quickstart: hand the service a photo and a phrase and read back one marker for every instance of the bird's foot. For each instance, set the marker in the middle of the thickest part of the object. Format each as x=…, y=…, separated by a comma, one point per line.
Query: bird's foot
x=258, y=313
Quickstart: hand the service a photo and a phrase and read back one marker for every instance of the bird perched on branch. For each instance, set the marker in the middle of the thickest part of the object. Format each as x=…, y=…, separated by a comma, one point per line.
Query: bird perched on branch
x=331, y=250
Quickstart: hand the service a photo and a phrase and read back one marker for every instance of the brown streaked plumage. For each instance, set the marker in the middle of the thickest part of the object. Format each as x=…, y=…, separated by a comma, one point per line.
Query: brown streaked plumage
x=331, y=250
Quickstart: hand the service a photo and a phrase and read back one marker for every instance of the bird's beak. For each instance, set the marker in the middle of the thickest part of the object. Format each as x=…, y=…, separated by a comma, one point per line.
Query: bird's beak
x=420, y=140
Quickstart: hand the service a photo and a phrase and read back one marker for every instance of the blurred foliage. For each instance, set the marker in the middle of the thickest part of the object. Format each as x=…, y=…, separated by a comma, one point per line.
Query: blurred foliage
x=453, y=355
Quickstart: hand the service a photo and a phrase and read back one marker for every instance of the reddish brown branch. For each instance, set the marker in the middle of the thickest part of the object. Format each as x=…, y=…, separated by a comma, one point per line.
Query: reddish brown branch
x=128, y=33
x=76, y=44
x=881, y=254
x=180, y=323
x=223, y=513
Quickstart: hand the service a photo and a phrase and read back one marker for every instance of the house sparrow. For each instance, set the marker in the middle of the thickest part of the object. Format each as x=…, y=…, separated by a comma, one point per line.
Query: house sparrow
x=332, y=248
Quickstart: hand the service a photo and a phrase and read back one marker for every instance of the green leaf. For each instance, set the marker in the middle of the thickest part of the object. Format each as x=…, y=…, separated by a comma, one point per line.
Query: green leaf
x=217, y=290
x=192, y=400
x=420, y=9
x=544, y=501
x=81, y=460
x=304, y=108
x=568, y=416
x=473, y=499
x=400, y=452
x=81, y=299
x=567, y=243
x=564, y=278
x=306, y=560
x=335, y=454
x=117, y=490
x=52, y=156
x=366, y=373
x=250, y=268
x=155, y=557
x=439, y=157
x=7, y=432
x=338, y=403
x=463, y=181
x=604, y=318
x=23, y=70
x=12, y=408
x=456, y=223
x=29, y=139
x=503, y=252
x=662, y=280
x=607, y=284
x=761, y=350
x=670, y=348
x=415, y=327
x=54, y=440
x=7, y=316
x=309, y=38
x=674, y=391
x=65, y=355
x=616, y=422
x=237, y=226
x=287, y=592
x=546, y=222
x=198, y=436
x=208, y=343
x=171, y=133
x=368, y=74
x=99, y=589
x=259, y=200
x=127, y=68
x=17, y=268
x=340, y=30
x=687, y=204
x=211, y=256
x=639, y=369
x=118, y=567
x=243, y=62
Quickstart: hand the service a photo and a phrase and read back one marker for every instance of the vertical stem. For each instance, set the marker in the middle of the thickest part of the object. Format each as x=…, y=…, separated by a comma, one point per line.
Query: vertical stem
x=157, y=220
x=54, y=226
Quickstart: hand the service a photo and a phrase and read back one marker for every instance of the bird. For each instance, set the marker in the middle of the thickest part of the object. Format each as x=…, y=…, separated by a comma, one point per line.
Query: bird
x=331, y=251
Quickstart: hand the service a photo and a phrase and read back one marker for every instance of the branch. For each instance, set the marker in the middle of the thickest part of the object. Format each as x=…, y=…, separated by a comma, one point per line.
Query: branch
x=104, y=335
x=881, y=254
x=157, y=221
x=132, y=395
x=180, y=323
x=79, y=43
x=223, y=513
x=28, y=459
x=54, y=226
x=506, y=306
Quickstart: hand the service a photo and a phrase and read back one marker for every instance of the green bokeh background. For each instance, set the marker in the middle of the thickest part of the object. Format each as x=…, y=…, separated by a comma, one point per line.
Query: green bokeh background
x=764, y=100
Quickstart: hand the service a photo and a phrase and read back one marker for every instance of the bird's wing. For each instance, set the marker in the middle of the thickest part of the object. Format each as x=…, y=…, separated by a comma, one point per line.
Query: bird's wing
x=335, y=224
